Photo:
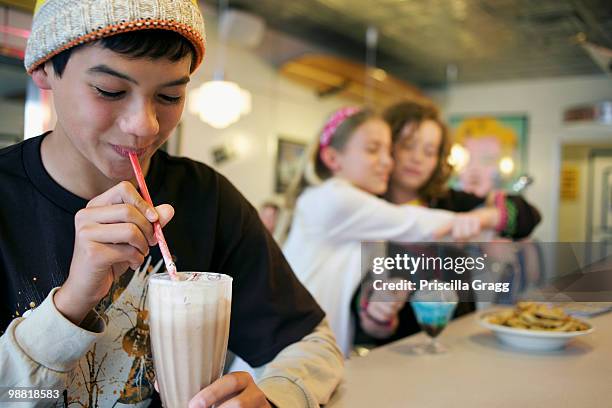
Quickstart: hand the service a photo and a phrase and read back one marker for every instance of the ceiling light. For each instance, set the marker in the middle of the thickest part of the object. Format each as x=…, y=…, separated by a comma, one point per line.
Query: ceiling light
x=220, y=103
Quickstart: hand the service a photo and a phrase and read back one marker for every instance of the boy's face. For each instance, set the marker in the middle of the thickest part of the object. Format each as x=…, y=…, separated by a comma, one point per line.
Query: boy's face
x=109, y=104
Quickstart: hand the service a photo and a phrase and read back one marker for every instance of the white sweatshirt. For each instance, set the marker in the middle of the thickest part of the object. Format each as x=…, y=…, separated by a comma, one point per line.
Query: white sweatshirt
x=324, y=244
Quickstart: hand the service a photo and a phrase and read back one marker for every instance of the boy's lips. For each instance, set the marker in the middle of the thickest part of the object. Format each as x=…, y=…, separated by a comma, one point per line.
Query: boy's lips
x=125, y=151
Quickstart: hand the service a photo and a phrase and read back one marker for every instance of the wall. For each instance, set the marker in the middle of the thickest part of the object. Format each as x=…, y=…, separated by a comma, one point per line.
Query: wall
x=544, y=101
x=11, y=117
x=279, y=108
x=573, y=213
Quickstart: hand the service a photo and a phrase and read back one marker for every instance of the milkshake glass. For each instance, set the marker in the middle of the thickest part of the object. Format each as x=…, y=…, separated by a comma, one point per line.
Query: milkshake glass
x=189, y=327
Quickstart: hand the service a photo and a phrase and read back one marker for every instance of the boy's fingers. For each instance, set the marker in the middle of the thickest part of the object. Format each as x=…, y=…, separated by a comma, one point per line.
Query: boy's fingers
x=220, y=390
x=120, y=213
x=165, y=212
x=126, y=193
x=125, y=233
x=119, y=257
x=122, y=256
x=118, y=194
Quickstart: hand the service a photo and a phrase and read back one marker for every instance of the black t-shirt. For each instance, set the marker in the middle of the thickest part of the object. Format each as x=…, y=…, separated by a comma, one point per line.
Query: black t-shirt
x=214, y=229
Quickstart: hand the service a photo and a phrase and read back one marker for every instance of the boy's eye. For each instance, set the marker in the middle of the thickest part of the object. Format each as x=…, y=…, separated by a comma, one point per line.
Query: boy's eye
x=170, y=99
x=109, y=95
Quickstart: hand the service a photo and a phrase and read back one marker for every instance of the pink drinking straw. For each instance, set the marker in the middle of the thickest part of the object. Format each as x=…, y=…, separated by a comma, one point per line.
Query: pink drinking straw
x=163, y=246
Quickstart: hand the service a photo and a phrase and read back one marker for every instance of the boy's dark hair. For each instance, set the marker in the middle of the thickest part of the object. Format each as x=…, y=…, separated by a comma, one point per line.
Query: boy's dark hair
x=153, y=44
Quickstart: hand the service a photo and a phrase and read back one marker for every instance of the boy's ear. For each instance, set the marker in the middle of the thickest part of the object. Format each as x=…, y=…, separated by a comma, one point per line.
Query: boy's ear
x=40, y=76
x=331, y=158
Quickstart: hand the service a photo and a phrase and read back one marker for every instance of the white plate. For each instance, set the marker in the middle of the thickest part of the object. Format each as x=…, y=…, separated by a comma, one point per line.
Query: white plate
x=537, y=340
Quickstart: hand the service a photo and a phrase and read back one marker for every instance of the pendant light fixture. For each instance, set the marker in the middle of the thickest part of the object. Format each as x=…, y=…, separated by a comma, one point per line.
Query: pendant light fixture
x=219, y=102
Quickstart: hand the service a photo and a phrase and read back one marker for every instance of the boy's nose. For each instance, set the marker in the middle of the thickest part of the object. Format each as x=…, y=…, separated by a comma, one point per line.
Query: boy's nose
x=141, y=121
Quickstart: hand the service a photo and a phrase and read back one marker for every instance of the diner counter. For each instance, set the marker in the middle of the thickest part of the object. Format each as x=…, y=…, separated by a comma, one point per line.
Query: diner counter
x=478, y=371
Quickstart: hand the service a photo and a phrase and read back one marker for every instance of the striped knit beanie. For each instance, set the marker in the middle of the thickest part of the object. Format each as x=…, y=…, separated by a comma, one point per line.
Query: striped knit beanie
x=62, y=24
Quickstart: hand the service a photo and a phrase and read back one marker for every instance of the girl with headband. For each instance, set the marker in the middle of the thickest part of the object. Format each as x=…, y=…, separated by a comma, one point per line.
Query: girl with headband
x=336, y=208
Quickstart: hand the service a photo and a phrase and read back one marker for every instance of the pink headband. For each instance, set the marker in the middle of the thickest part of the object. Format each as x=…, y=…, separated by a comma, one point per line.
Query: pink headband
x=334, y=122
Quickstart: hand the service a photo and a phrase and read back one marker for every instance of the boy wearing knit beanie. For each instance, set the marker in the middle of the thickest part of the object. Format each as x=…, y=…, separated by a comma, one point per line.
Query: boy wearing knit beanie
x=76, y=237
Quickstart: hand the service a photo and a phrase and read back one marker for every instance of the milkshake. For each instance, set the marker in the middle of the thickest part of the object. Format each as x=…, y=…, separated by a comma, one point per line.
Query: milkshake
x=189, y=326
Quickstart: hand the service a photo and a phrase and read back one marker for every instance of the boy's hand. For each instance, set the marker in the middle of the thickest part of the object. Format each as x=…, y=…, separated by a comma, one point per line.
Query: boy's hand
x=232, y=390
x=114, y=232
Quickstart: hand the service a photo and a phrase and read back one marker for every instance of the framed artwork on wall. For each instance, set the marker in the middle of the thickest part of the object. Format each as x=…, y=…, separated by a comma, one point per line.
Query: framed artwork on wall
x=289, y=154
x=489, y=151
